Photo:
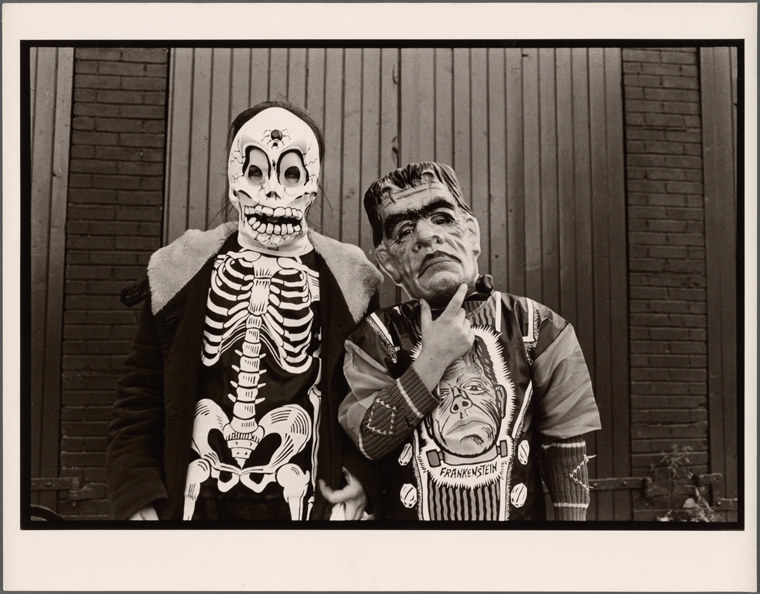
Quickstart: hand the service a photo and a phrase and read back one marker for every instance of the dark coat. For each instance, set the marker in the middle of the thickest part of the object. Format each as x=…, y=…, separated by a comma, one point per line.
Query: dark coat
x=149, y=438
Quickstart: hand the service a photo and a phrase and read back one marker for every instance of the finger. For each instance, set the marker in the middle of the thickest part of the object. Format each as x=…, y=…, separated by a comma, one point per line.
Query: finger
x=336, y=495
x=351, y=480
x=327, y=492
x=354, y=510
x=145, y=514
x=456, y=301
x=425, y=315
x=150, y=514
x=338, y=513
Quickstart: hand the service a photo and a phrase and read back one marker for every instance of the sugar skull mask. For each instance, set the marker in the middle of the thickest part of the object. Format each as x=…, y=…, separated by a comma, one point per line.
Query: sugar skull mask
x=273, y=172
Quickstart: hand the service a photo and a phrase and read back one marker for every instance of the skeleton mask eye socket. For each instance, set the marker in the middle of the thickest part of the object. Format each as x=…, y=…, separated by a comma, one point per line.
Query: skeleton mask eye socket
x=291, y=169
x=256, y=166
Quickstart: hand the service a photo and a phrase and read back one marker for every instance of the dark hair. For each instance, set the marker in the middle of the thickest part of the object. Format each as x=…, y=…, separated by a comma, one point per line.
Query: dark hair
x=407, y=177
x=248, y=114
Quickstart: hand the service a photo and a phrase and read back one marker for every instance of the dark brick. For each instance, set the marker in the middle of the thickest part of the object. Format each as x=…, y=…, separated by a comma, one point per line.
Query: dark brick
x=648, y=292
x=666, y=95
x=116, y=182
x=143, y=84
x=151, y=183
x=643, y=106
x=92, y=166
x=680, y=82
x=142, y=169
x=641, y=55
x=95, y=109
x=85, y=67
x=155, y=55
x=87, y=81
x=684, y=108
x=82, y=152
x=157, y=70
x=95, y=138
x=685, y=136
x=97, y=53
x=142, y=111
x=137, y=243
x=115, y=258
x=122, y=69
x=91, y=212
x=88, y=272
x=636, y=134
x=89, y=414
x=121, y=97
x=77, y=242
x=664, y=121
x=119, y=125
x=85, y=95
x=121, y=153
x=82, y=123
x=686, y=213
x=688, y=320
x=143, y=198
x=142, y=140
x=637, y=80
x=139, y=213
x=669, y=69
x=130, y=273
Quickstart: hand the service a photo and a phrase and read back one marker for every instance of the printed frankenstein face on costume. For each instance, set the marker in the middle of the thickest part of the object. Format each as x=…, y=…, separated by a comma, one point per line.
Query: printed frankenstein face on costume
x=273, y=172
x=473, y=404
x=430, y=245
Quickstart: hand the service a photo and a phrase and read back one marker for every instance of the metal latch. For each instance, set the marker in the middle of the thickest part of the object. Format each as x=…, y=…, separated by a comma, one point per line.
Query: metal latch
x=632, y=483
x=715, y=482
x=61, y=483
x=73, y=484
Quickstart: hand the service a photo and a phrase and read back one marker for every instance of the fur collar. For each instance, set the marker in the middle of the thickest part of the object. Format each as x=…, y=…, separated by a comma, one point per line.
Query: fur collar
x=172, y=267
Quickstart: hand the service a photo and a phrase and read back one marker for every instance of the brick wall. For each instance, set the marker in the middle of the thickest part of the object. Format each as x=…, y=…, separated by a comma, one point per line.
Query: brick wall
x=668, y=336
x=113, y=225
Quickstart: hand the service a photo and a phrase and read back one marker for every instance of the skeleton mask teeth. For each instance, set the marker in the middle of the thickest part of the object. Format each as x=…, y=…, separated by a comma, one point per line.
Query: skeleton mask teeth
x=286, y=222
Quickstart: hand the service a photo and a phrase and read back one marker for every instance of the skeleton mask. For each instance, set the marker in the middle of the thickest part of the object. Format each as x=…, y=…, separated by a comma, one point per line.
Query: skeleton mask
x=273, y=172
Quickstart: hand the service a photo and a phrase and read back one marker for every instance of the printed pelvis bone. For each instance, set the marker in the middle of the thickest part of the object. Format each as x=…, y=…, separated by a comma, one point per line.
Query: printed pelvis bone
x=273, y=173
x=290, y=422
x=267, y=301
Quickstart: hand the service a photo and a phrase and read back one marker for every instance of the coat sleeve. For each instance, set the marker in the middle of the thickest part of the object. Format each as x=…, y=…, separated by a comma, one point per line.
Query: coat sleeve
x=380, y=411
x=135, y=435
x=565, y=399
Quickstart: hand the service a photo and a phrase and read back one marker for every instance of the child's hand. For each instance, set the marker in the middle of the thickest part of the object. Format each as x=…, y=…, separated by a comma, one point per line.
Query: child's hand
x=444, y=339
x=350, y=500
x=147, y=513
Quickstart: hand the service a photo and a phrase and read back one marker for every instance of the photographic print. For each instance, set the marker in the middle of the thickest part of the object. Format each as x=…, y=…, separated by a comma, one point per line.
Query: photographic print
x=219, y=319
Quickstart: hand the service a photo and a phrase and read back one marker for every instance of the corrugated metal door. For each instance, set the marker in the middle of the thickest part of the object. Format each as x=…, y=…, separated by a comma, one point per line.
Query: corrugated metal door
x=535, y=135
x=51, y=81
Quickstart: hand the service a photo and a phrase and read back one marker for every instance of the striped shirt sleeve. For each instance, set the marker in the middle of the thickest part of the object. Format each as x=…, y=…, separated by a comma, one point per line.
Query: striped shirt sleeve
x=380, y=412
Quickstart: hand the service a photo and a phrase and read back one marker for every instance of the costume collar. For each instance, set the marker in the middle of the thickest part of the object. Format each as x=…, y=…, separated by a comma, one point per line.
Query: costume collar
x=172, y=267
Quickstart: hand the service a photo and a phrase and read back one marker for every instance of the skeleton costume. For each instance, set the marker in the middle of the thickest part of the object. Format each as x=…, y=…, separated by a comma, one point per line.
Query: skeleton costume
x=508, y=413
x=228, y=407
